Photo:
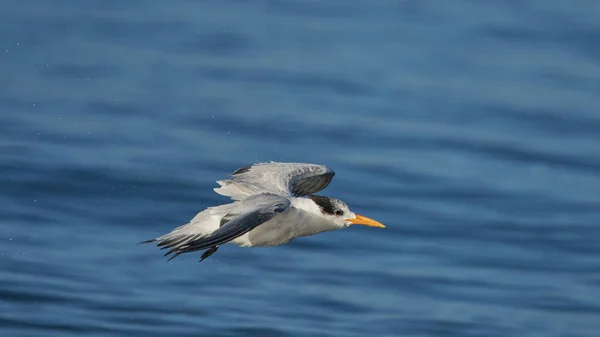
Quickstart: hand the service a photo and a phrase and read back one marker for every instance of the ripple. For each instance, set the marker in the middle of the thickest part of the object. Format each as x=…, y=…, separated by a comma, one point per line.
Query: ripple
x=472, y=137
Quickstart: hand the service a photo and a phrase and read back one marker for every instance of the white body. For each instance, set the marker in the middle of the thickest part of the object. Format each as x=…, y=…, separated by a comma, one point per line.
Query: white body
x=300, y=219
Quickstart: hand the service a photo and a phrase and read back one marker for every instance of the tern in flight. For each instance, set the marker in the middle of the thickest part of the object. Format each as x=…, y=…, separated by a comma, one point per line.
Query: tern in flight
x=273, y=203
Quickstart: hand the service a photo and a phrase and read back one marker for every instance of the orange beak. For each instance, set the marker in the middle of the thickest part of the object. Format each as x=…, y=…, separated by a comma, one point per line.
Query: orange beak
x=363, y=220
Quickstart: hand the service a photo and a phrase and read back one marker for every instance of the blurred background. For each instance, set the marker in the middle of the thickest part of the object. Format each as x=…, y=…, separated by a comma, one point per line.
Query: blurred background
x=470, y=128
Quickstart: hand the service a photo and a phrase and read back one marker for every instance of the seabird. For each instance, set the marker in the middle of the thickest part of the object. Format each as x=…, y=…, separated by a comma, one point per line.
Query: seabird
x=273, y=203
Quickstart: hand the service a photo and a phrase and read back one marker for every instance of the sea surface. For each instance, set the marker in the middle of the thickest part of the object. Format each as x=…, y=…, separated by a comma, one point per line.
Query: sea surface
x=470, y=128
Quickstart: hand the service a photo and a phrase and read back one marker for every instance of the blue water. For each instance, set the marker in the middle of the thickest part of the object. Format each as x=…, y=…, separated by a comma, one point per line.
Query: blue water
x=470, y=128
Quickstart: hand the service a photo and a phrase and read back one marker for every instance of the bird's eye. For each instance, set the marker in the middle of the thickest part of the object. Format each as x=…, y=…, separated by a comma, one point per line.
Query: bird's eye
x=339, y=212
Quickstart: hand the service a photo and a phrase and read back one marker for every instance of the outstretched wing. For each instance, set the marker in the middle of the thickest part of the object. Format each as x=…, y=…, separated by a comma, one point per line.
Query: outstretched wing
x=247, y=215
x=286, y=179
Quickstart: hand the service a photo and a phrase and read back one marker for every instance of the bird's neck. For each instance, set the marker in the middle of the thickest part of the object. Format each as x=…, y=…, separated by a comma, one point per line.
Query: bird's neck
x=309, y=218
x=306, y=205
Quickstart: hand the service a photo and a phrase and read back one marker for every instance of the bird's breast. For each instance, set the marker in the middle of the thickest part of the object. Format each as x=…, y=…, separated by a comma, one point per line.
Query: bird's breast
x=283, y=228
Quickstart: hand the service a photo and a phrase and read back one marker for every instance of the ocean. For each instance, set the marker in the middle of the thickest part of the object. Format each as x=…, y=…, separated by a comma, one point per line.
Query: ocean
x=470, y=128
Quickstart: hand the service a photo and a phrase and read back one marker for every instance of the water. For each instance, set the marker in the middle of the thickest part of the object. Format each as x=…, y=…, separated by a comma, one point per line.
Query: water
x=470, y=128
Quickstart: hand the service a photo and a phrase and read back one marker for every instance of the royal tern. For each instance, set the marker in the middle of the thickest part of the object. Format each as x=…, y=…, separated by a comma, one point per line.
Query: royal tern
x=273, y=204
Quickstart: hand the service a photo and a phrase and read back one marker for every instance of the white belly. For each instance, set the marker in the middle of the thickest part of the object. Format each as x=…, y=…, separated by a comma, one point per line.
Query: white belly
x=284, y=228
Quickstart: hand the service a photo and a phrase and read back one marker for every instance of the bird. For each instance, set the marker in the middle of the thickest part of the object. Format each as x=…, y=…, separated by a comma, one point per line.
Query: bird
x=272, y=204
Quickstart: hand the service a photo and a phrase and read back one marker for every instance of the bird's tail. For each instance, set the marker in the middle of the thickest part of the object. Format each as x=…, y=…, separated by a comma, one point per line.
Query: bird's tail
x=203, y=224
x=177, y=238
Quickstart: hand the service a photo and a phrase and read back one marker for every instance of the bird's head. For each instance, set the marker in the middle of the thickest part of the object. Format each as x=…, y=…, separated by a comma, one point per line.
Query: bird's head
x=340, y=214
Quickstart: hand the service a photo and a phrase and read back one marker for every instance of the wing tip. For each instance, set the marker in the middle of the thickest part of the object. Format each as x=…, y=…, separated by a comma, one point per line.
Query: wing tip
x=222, y=183
x=242, y=170
x=174, y=256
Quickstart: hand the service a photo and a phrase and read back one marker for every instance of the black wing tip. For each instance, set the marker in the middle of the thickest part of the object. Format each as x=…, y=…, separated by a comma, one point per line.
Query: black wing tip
x=241, y=170
x=168, y=244
x=174, y=250
x=310, y=185
x=174, y=256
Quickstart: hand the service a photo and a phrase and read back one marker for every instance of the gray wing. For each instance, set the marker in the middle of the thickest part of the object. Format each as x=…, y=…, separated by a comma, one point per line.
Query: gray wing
x=249, y=214
x=286, y=179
